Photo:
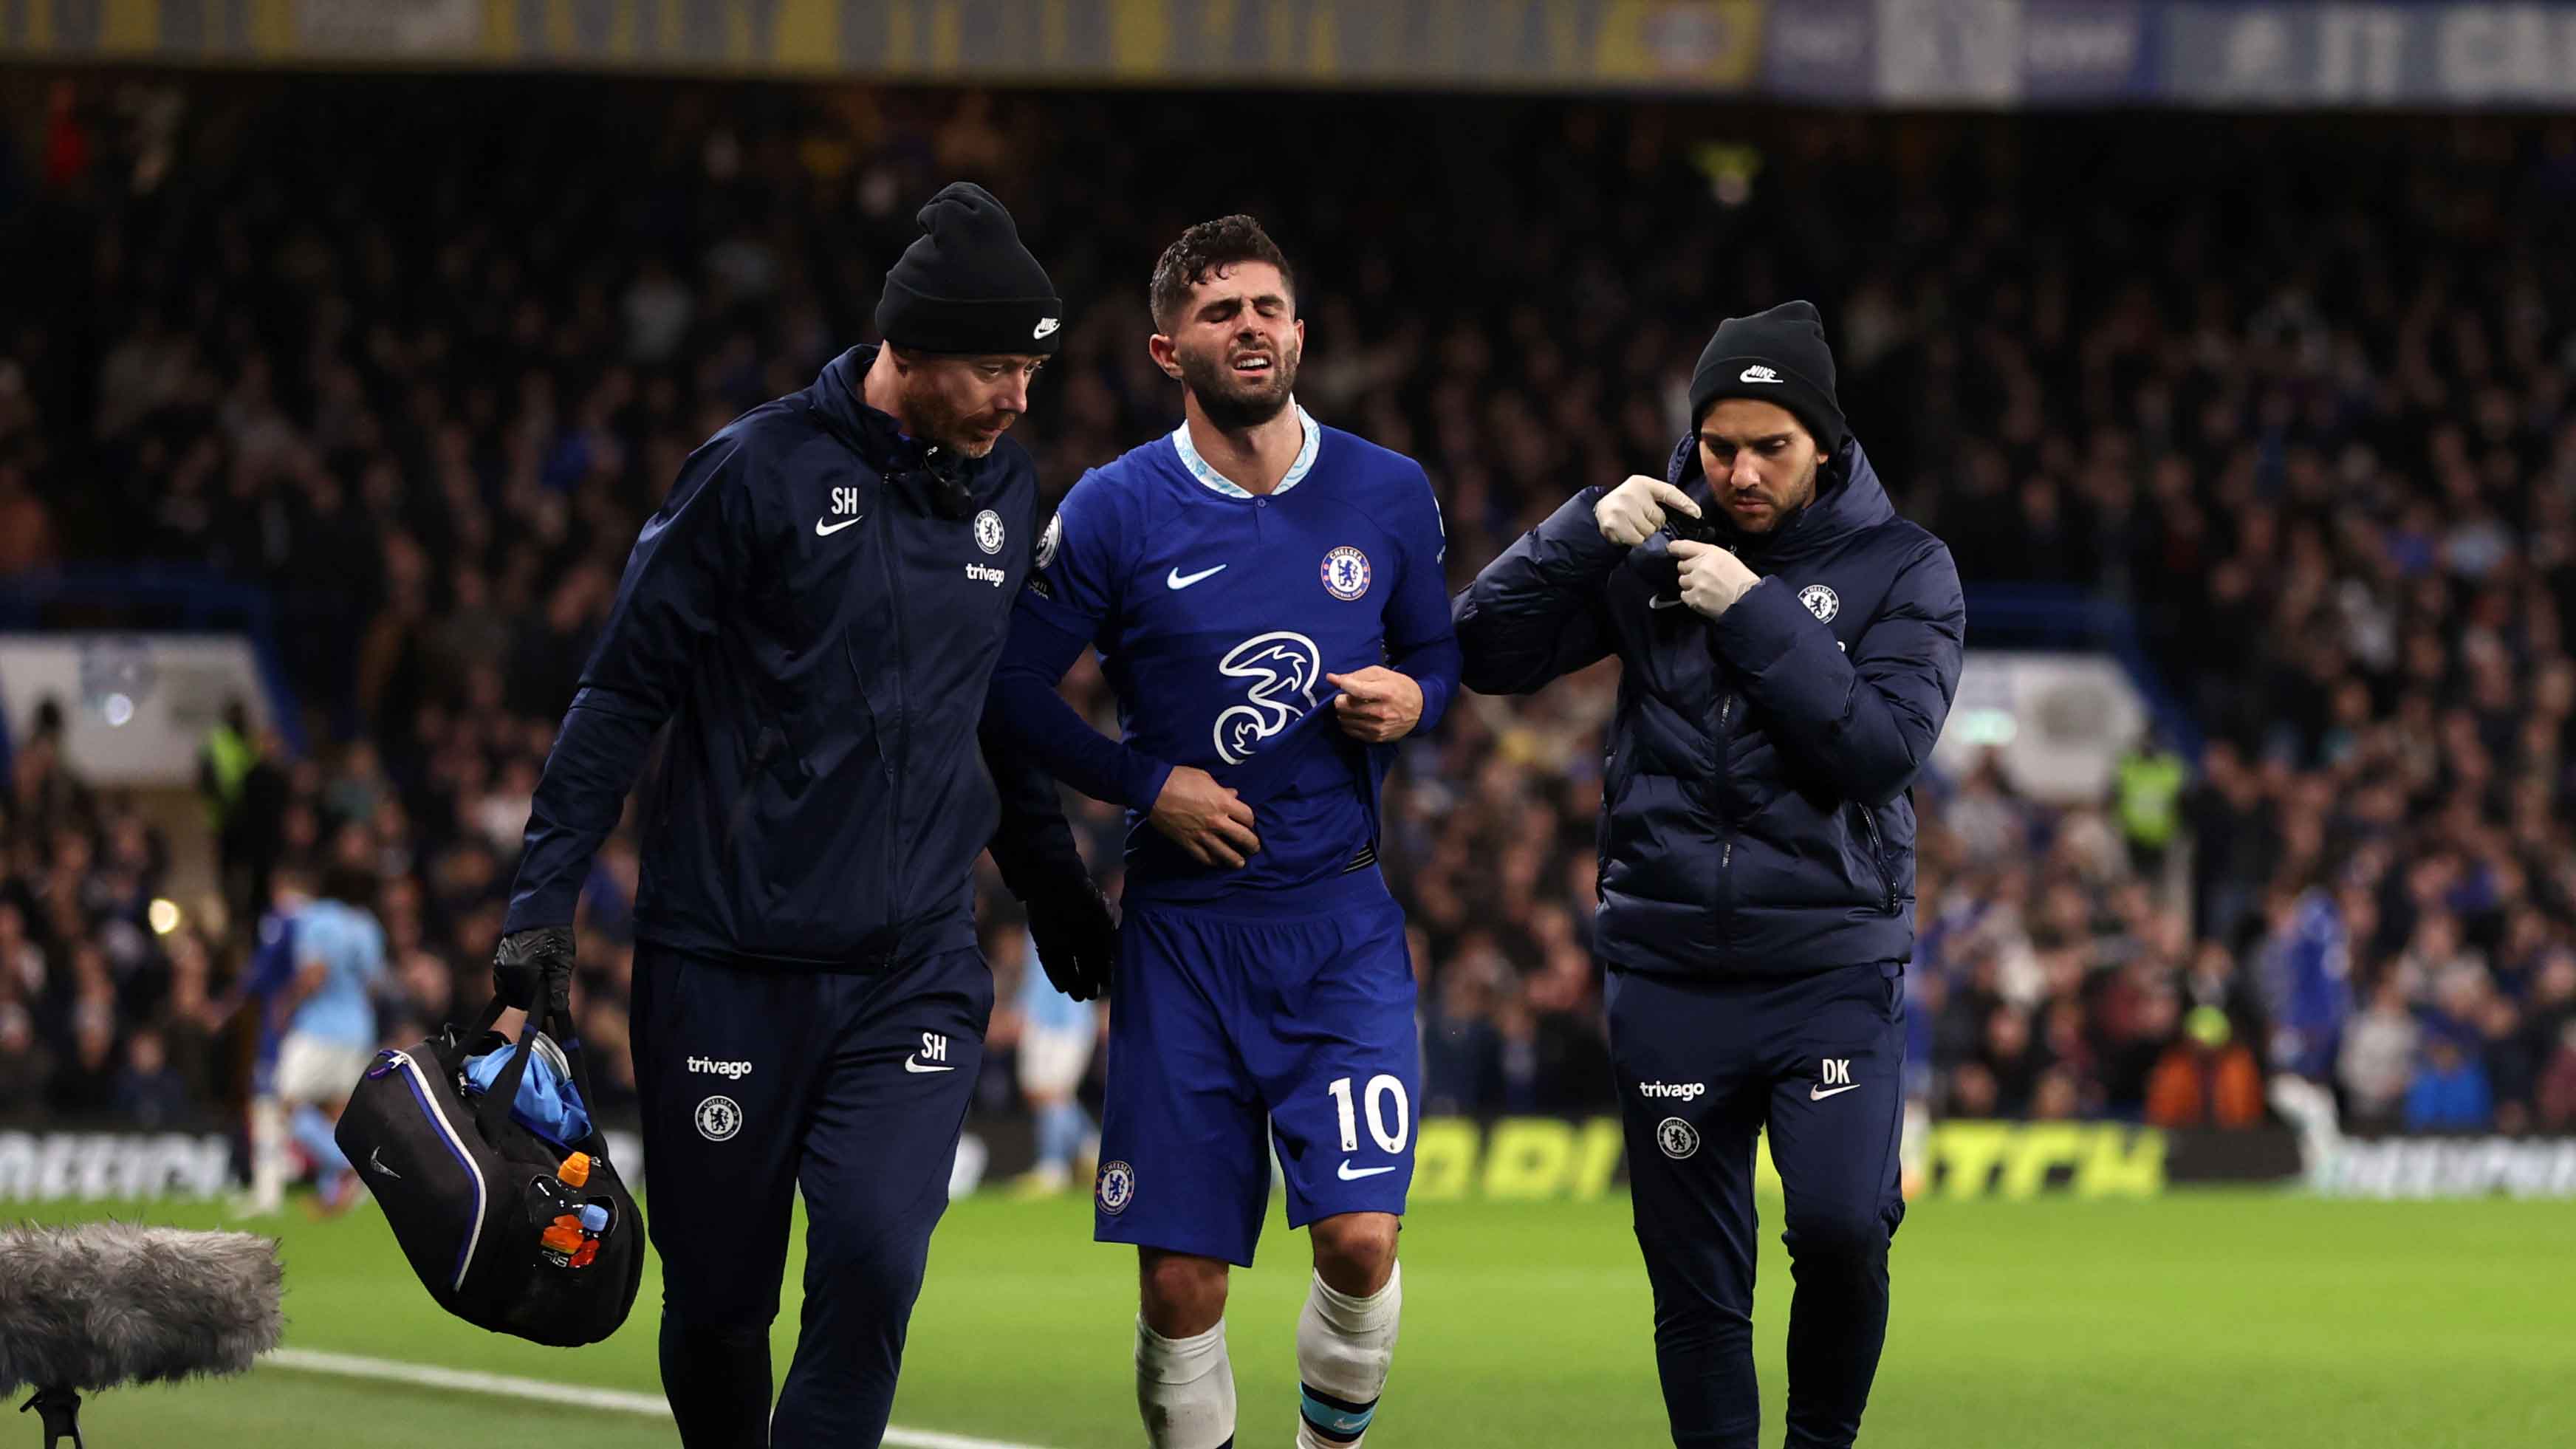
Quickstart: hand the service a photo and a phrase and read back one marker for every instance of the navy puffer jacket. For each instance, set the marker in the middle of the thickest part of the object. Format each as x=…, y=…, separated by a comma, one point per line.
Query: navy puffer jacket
x=1757, y=814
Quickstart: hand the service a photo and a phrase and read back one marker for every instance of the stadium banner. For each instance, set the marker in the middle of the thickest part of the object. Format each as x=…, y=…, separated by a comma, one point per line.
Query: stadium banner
x=1662, y=45
x=2016, y=1160
x=1905, y=53
x=1508, y=1159
x=39, y=1164
x=1990, y=53
x=46, y=1166
x=1511, y=1159
x=2207, y=53
x=2275, y=1155
x=2388, y=54
x=2433, y=1167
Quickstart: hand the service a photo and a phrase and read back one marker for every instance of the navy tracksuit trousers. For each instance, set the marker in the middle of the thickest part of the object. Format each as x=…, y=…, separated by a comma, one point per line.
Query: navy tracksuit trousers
x=1704, y=1065
x=850, y=1087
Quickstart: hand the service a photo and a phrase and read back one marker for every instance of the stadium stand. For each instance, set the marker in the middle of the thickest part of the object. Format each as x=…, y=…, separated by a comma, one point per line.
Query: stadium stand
x=2300, y=407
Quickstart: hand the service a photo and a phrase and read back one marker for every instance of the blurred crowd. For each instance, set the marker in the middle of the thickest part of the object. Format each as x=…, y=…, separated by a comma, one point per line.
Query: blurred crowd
x=97, y=1016
x=419, y=357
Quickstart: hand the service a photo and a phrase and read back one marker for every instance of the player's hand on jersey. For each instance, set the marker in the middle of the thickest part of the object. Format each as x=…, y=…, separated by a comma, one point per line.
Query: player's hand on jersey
x=1208, y=820
x=1630, y=513
x=1077, y=937
x=529, y=958
x=1713, y=578
x=1376, y=704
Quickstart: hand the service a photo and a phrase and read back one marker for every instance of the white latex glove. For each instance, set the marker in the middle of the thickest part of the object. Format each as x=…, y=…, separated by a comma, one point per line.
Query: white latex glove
x=1712, y=578
x=1630, y=513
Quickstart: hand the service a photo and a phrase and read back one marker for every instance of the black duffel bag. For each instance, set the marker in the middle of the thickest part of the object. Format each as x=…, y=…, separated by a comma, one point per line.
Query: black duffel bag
x=471, y=1192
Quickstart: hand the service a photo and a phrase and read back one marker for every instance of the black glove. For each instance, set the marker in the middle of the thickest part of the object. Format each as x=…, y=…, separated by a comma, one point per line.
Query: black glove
x=526, y=958
x=1077, y=937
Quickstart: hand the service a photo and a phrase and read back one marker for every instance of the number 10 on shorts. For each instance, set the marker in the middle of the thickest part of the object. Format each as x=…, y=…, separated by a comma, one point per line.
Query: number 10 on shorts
x=1380, y=1087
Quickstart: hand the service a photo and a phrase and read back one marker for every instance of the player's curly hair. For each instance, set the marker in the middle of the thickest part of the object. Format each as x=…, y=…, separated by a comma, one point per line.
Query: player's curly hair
x=1207, y=247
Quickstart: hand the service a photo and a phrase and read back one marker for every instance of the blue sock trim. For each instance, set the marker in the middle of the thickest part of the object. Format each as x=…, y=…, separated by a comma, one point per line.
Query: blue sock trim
x=1335, y=1418
x=312, y=1131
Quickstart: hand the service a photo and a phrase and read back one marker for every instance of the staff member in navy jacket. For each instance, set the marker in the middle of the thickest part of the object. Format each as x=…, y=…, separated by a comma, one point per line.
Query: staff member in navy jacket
x=1789, y=649
x=815, y=612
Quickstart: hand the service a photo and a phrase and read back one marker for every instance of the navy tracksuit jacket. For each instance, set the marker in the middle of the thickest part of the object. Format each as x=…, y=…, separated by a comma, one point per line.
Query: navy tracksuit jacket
x=1756, y=902
x=809, y=1005
x=820, y=641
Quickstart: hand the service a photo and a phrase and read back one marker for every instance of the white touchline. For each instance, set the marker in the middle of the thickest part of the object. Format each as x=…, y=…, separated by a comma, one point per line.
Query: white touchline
x=353, y=1366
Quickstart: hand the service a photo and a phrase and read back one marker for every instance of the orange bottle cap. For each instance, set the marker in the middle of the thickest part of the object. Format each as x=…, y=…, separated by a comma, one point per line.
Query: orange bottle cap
x=576, y=1169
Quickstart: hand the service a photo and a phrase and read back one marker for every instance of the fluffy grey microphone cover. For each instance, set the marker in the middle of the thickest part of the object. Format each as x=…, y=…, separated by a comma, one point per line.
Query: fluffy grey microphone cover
x=98, y=1304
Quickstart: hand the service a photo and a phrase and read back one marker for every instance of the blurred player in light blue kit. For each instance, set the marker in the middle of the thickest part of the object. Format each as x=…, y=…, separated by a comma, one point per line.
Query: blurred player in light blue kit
x=330, y=1012
x=1267, y=597
x=1057, y=1034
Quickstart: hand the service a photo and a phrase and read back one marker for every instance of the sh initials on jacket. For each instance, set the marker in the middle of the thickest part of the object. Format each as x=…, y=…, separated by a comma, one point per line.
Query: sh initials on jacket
x=845, y=511
x=933, y=1056
x=1836, y=1072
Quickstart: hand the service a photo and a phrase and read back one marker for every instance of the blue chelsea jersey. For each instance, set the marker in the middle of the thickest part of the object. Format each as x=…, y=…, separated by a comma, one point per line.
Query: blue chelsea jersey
x=1218, y=614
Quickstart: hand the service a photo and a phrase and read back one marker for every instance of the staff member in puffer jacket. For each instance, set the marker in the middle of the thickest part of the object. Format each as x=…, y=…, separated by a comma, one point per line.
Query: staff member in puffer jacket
x=1789, y=650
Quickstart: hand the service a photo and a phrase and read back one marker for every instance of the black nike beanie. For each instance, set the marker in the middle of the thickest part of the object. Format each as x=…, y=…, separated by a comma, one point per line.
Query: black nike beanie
x=1778, y=356
x=966, y=285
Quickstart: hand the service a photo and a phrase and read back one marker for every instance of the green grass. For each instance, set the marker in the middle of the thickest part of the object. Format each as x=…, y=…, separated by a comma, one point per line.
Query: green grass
x=2254, y=1321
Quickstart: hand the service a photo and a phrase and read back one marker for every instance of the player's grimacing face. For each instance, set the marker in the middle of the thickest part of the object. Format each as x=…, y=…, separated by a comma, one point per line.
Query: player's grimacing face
x=1760, y=461
x=1238, y=344
x=967, y=403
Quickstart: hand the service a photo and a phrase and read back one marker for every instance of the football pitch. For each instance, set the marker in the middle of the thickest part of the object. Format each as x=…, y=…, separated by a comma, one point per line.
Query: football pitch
x=2238, y=1319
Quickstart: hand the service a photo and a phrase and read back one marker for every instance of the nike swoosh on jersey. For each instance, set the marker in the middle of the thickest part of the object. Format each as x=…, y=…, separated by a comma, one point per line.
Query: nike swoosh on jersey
x=1663, y=603
x=1818, y=1094
x=1180, y=580
x=824, y=530
x=1350, y=1174
x=916, y=1064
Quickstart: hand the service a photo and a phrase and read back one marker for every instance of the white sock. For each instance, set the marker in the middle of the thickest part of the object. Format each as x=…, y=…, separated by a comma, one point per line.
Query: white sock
x=267, y=1154
x=1185, y=1389
x=1343, y=1347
